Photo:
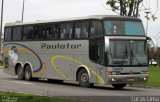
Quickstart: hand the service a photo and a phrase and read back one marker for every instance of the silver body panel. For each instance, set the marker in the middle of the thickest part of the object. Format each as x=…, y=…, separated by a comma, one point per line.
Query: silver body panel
x=61, y=60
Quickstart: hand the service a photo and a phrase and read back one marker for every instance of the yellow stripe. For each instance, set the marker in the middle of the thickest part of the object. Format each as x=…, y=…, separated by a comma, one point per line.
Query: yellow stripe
x=100, y=80
x=19, y=48
x=6, y=49
x=25, y=50
x=57, y=69
x=40, y=72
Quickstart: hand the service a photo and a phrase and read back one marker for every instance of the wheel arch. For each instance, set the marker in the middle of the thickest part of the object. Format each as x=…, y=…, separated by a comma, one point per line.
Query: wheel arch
x=26, y=64
x=80, y=68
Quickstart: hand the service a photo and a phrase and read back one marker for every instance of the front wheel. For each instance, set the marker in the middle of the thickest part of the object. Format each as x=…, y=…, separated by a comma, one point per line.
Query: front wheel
x=28, y=73
x=83, y=79
x=119, y=86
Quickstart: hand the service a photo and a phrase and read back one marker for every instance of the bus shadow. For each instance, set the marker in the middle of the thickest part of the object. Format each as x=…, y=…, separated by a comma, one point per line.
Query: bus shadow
x=104, y=87
x=57, y=82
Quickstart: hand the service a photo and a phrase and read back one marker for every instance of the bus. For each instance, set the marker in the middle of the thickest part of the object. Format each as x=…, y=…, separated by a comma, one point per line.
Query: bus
x=98, y=49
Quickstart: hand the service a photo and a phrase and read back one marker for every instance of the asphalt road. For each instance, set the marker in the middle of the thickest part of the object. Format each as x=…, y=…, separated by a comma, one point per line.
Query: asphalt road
x=71, y=90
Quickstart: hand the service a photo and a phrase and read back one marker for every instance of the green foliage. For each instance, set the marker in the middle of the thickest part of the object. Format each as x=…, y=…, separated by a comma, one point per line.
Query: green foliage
x=129, y=8
x=153, y=81
x=112, y=3
x=154, y=73
x=1, y=63
x=153, y=17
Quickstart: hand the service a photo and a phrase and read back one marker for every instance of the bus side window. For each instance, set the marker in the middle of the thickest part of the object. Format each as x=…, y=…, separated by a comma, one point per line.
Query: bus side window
x=49, y=31
x=70, y=30
x=92, y=52
x=81, y=30
x=84, y=33
x=52, y=31
x=96, y=29
x=96, y=52
x=8, y=34
x=28, y=32
x=62, y=31
x=66, y=30
x=17, y=34
x=42, y=32
x=39, y=32
x=55, y=31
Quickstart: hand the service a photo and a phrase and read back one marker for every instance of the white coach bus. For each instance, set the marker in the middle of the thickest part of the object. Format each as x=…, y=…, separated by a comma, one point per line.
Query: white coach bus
x=91, y=50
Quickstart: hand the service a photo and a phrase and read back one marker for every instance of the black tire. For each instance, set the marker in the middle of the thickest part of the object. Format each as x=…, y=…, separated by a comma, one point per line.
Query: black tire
x=55, y=81
x=119, y=86
x=83, y=79
x=28, y=73
x=20, y=72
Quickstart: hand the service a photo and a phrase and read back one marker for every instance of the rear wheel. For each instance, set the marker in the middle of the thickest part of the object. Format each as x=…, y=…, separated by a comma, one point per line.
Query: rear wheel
x=83, y=79
x=119, y=86
x=20, y=72
x=28, y=73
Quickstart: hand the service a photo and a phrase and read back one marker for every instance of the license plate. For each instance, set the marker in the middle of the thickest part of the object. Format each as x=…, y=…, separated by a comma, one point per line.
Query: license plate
x=130, y=79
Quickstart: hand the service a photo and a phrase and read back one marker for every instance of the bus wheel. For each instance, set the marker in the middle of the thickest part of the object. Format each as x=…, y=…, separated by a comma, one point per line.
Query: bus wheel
x=28, y=73
x=119, y=86
x=20, y=72
x=83, y=79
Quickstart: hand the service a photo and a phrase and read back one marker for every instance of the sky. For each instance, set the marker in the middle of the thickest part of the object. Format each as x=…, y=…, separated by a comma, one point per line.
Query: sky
x=57, y=9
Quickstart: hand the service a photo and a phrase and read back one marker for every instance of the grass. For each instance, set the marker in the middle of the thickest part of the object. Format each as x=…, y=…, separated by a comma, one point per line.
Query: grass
x=18, y=97
x=1, y=63
x=154, y=73
x=154, y=76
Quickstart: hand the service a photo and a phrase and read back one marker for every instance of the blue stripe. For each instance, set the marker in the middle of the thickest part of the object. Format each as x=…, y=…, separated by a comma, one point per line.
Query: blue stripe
x=37, y=70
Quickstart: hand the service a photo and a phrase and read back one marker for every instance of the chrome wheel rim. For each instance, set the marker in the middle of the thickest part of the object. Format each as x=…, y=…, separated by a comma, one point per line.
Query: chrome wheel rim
x=27, y=74
x=84, y=77
x=19, y=72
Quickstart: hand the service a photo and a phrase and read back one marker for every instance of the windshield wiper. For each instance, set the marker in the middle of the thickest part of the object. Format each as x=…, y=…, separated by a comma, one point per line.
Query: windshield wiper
x=133, y=56
x=125, y=54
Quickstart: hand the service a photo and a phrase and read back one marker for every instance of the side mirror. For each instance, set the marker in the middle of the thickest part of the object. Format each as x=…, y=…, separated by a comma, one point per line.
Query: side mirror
x=152, y=44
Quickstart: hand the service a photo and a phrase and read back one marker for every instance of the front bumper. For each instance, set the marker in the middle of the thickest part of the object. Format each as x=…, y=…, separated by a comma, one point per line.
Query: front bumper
x=125, y=79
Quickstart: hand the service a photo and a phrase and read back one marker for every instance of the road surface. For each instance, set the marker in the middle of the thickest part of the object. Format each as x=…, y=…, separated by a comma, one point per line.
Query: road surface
x=71, y=90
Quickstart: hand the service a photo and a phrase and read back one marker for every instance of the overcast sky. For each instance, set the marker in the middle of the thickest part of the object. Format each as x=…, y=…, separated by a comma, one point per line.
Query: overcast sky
x=55, y=9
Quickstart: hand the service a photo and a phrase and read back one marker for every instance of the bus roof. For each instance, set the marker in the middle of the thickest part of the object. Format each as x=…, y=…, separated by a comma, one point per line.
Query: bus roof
x=73, y=19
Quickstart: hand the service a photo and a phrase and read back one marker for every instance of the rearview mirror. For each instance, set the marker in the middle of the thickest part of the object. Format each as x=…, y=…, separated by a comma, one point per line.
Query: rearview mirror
x=152, y=44
x=106, y=44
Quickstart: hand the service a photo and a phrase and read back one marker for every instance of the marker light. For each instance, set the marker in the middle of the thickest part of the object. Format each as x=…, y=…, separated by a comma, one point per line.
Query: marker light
x=145, y=79
x=113, y=79
x=110, y=73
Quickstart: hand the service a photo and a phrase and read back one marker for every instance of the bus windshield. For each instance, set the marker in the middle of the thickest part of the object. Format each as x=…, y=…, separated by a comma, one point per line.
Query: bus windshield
x=124, y=28
x=128, y=53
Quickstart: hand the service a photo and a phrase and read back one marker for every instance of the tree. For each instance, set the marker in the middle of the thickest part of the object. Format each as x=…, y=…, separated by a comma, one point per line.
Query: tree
x=129, y=8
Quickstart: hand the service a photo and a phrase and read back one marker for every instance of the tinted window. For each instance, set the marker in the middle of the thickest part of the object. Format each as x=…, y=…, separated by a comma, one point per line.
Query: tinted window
x=52, y=31
x=123, y=28
x=28, y=33
x=66, y=30
x=130, y=52
x=39, y=32
x=81, y=30
x=96, y=29
x=7, y=34
x=17, y=33
x=96, y=52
